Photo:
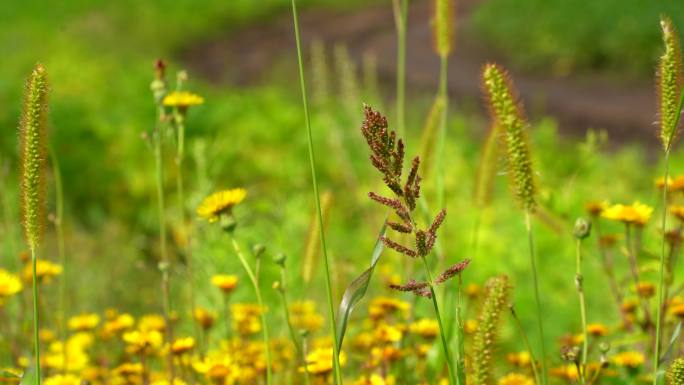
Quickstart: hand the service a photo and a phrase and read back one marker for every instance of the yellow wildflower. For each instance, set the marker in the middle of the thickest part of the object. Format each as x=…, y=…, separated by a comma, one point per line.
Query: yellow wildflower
x=9, y=285
x=204, y=317
x=645, y=289
x=246, y=318
x=636, y=213
x=59, y=379
x=387, y=333
x=677, y=310
x=118, y=324
x=384, y=306
x=303, y=316
x=375, y=379
x=515, y=379
x=597, y=330
x=182, y=345
x=630, y=359
x=152, y=322
x=426, y=328
x=225, y=282
x=144, y=342
x=45, y=271
x=568, y=372
x=320, y=361
x=520, y=359
x=182, y=99
x=677, y=211
x=596, y=208
x=220, y=202
x=84, y=322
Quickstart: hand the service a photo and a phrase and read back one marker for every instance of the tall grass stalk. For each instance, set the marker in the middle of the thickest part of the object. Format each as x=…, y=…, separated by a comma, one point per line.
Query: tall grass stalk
x=312, y=162
x=670, y=84
x=401, y=25
x=535, y=280
x=442, y=331
x=264, y=325
x=528, y=345
x=32, y=135
x=582, y=229
x=61, y=250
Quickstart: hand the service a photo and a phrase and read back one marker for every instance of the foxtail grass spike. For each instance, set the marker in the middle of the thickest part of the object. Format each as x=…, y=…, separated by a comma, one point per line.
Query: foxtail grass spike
x=494, y=305
x=32, y=133
x=507, y=113
x=429, y=134
x=669, y=84
x=443, y=26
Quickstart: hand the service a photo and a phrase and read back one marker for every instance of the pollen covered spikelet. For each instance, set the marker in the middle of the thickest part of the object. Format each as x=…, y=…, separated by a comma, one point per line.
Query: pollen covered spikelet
x=32, y=133
x=669, y=83
x=487, y=168
x=443, y=26
x=495, y=303
x=675, y=375
x=507, y=113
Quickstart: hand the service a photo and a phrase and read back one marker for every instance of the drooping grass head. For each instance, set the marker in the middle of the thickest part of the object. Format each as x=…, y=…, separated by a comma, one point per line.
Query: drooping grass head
x=669, y=84
x=507, y=114
x=32, y=134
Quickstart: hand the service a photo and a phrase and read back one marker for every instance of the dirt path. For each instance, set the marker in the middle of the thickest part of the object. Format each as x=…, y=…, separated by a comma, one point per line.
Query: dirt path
x=241, y=57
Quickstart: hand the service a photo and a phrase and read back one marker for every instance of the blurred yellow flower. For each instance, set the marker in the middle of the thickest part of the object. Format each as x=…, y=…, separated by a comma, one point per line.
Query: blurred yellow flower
x=320, y=361
x=225, y=282
x=142, y=342
x=152, y=322
x=645, y=289
x=515, y=379
x=84, y=322
x=520, y=359
x=636, y=213
x=631, y=359
x=45, y=271
x=59, y=379
x=596, y=208
x=303, y=316
x=375, y=379
x=182, y=345
x=182, y=99
x=204, y=318
x=381, y=307
x=9, y=285
x=220, y=202
x=597, y=330
x=118, y=324
x=426, y=328
x=246, y=318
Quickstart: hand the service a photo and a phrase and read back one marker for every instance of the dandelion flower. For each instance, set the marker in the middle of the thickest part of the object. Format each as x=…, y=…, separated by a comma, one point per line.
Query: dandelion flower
x=219, y=203
x=636, y=213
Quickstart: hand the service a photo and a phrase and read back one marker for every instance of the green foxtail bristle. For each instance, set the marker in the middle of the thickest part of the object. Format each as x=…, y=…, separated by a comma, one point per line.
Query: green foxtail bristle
x=675, y=375
x=495, y=303
x=443, y=26
x=32, y=132
x=507, y=114
x=429, y=135
x=486, y=169
x=669, y=83
x=320, y=85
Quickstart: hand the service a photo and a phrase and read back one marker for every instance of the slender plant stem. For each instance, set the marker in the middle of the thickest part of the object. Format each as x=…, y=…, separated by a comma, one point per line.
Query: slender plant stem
x=36, y=323
x=164, y=266
x=293, y=334
x=59, y=229
x=226, y=313
x=444, y=95
x=528, y=345
x=314, y=181
x=661, y=283
x=445, y=344
x=634, y=268
x=535, y=280
x=401, y=24
x=257, y=291
x=579, y=283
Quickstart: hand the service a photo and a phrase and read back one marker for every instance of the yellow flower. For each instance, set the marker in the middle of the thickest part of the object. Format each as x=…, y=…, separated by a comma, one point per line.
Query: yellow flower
x=568, y=372
x=677, y=211
x=426, y=328
x=45, y=271
x=176, y=381
x=375, y=379
x=597, y=330
x=631, y=359
x=152, y=322
x=142, y=341
x=521, y=359
x=224, y=282
x=645, y=289
x=596, y=208
x=320, y=361
x=677, y=310
x=470, y=326
x=117, y=324
x=182, y=345
x=473, y=290
x=128, y=368
x=182, y=99
x=303, y=316
x=384, y=306
x=9, y=285
x=204, y=317
x=246, y=318
x=515, y=379
x=636, y=213
x=84, y=322
x=58, y=379
x=388, y=333
x=220, y=202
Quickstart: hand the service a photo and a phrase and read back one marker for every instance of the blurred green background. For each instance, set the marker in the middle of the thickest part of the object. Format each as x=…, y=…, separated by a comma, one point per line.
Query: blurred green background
x=99, y=58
